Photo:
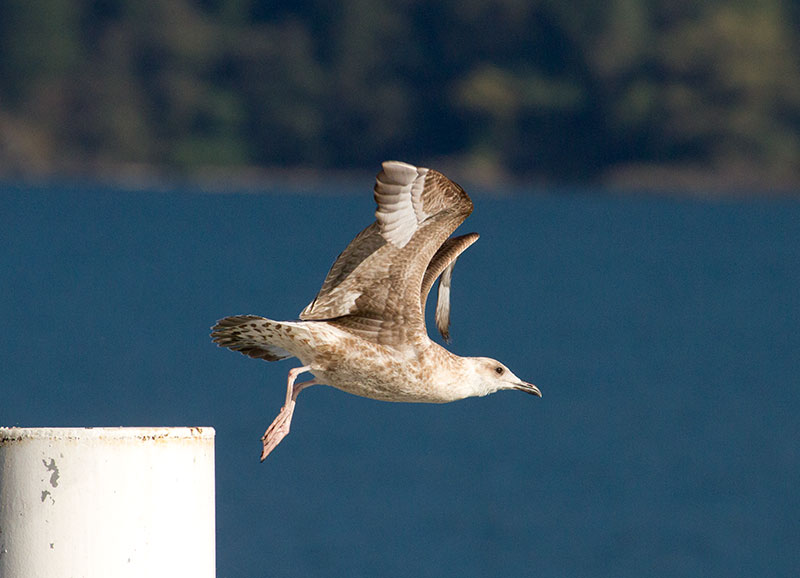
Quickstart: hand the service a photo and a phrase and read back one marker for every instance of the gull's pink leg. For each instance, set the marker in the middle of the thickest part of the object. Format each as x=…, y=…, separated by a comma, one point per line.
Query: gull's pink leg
x=280, y=427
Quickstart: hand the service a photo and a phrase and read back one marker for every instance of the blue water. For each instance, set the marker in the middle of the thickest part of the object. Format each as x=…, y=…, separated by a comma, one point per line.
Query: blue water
x=664, y=334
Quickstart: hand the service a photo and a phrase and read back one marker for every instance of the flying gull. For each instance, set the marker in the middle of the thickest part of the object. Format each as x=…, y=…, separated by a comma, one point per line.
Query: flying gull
x=364, y=333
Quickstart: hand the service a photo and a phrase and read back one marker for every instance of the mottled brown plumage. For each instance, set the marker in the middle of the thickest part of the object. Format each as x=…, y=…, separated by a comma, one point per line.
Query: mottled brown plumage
x=376, y=284
x=364, y=332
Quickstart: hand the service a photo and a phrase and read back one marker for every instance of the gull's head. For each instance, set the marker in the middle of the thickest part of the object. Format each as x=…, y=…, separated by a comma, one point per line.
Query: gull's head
x=489, y=375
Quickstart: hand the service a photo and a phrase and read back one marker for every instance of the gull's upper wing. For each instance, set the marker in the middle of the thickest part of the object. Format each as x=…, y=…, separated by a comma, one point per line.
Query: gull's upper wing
x=374, y=288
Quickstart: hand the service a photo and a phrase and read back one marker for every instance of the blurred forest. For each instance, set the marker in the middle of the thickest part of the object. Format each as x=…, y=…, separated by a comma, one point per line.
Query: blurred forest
x=632, y=92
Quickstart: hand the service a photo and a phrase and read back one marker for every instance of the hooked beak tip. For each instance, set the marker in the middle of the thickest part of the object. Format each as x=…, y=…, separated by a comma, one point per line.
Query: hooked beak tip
x=528, y=388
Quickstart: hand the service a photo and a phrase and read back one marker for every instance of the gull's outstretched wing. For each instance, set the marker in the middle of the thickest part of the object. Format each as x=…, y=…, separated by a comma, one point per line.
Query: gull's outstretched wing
x=374, y=288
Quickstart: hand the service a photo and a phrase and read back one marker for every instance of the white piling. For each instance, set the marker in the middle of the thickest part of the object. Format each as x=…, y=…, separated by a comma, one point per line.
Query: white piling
x=107, y=502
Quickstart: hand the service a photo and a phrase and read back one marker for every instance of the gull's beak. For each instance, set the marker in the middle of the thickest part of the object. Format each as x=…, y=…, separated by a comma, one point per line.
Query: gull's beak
x=528, y=388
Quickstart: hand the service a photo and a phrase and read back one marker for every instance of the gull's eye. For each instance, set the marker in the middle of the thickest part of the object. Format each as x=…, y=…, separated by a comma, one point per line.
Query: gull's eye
x=499, y=370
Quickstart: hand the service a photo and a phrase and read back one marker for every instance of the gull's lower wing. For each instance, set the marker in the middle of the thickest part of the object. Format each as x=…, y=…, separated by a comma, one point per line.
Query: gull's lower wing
x=442, y=265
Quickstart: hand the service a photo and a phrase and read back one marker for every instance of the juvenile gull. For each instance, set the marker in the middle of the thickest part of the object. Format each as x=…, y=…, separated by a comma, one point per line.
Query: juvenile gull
x=364, y=333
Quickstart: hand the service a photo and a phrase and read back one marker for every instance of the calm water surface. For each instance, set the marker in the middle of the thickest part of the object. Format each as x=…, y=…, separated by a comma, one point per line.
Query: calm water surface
x=663, y=333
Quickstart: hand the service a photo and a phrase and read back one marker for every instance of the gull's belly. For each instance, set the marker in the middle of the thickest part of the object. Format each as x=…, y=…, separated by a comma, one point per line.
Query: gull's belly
x=393, y=386
x=378, y=372
x=382, y=377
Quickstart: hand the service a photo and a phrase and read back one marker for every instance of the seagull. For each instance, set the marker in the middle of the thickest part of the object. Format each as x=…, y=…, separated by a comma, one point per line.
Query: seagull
x=364, y=333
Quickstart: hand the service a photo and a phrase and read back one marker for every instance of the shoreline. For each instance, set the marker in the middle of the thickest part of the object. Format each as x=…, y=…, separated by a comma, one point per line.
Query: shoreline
x=690, y=181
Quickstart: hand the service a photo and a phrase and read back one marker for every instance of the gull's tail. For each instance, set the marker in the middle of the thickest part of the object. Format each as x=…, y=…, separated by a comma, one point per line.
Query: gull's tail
x=254, y=336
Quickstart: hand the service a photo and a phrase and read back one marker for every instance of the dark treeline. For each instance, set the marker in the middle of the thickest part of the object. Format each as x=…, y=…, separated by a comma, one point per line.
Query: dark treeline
x=579, y=90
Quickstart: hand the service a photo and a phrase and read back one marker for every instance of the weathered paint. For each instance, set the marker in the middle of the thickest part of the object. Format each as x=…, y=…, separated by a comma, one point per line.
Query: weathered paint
x=107, y=502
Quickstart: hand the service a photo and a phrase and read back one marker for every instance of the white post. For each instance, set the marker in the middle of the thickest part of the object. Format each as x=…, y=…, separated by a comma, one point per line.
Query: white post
x=107, y=502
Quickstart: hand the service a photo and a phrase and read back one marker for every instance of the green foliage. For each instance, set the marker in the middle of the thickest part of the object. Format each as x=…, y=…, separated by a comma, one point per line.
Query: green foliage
x=542, y=87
